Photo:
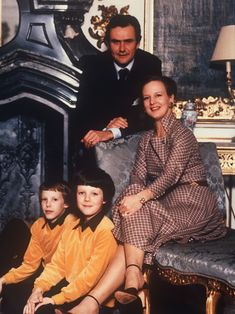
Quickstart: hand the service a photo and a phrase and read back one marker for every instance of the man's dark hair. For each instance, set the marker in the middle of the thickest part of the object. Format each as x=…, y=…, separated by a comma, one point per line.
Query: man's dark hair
x=56, y=185
x=169, y=83
x=120, y=20
x=94, y=176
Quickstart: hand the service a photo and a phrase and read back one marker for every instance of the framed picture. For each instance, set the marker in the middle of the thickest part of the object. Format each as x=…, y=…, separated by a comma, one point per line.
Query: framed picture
x=98, y=16
x=9, y=20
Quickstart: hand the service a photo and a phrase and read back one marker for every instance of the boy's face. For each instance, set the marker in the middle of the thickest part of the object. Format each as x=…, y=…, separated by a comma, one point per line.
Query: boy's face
x=53, y=205
x=90, y=200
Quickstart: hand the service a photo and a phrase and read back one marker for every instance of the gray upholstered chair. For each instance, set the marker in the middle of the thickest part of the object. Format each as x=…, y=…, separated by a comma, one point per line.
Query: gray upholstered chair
x=211, y=264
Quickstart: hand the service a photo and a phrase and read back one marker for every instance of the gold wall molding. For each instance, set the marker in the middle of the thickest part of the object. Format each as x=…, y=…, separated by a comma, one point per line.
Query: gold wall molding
x=215, y=123
x=227, y=159
x=209, y=109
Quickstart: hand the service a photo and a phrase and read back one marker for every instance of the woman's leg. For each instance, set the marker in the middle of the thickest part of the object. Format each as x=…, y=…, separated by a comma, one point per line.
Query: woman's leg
x=134, y=276
x=111, y=280
x=128, y=300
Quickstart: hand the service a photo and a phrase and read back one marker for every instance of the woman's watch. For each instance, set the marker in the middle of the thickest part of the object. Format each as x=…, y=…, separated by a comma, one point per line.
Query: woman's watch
x=142, y=200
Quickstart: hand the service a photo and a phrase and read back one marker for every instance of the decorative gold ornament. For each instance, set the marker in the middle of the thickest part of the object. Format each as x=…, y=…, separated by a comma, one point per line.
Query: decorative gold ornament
x=99, y=23
x=210, y=108
x=227, y=160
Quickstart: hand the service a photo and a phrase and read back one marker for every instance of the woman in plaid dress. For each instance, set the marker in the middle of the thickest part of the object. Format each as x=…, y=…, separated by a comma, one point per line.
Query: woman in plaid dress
x=167, y=198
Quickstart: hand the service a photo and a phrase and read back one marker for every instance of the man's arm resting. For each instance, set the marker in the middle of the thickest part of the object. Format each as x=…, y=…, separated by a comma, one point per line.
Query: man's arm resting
x=93, y=137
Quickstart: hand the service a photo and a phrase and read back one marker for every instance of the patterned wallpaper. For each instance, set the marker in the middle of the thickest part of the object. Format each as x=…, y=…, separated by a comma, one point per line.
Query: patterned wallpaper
x=185, y=33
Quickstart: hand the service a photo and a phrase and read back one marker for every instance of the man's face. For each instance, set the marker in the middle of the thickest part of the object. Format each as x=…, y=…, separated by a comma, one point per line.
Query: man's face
x=123, y=44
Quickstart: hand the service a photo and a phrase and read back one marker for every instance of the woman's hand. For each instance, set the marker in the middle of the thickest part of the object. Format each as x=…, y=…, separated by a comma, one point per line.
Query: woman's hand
x=129, y=205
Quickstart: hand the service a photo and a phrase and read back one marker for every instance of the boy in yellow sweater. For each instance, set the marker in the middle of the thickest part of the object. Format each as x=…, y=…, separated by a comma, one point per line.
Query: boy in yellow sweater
x=84, y=251
x=55, y=198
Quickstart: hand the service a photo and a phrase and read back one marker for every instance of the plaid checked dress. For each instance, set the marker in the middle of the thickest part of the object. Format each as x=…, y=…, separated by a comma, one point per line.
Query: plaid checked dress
x=179, y=211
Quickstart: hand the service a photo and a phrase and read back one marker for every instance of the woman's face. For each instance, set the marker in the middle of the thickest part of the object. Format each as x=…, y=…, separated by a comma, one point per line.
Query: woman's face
x=156, y=101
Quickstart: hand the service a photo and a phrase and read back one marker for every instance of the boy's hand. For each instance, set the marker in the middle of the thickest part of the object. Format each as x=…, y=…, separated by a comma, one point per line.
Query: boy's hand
x=35, y=298
x=2, y=281
x=45, y=300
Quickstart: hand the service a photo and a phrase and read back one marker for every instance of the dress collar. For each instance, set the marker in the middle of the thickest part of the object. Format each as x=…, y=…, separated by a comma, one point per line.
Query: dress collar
x=168, y=122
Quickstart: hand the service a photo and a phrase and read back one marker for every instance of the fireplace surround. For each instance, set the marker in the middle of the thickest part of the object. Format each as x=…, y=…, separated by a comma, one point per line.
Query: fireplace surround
x=39, y=82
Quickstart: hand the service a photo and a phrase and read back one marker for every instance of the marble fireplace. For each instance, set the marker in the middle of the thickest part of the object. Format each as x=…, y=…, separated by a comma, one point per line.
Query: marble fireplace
x=39, y=82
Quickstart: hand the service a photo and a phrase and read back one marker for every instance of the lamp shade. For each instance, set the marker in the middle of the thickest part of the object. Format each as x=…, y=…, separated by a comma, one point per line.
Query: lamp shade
x=225, y=45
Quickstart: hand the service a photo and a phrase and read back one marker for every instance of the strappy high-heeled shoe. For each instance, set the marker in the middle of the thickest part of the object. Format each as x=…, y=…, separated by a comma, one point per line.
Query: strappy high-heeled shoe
x=128, y=301
x=133, y=307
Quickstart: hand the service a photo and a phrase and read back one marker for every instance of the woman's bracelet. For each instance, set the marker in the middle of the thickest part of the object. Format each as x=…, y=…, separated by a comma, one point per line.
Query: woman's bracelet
x=142, y=200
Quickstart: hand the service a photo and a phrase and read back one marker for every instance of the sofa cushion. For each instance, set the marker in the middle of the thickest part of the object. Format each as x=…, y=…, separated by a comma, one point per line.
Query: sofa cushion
x=117, y=158
x=213, y=259
x=214, y=173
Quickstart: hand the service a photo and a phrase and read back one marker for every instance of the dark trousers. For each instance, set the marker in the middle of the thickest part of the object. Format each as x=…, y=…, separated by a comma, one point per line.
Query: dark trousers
x=83, y=158
x=15, y=296
x=14, y=240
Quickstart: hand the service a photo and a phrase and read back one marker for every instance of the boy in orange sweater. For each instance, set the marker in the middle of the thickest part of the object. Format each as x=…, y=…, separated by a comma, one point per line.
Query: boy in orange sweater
x=84, y=251
x=45, y=235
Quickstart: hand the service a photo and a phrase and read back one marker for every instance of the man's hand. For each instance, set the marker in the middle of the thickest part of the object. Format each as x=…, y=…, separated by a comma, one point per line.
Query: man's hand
x=118, y=122
x=2, y=281
x=35, y=298
x=93, y=137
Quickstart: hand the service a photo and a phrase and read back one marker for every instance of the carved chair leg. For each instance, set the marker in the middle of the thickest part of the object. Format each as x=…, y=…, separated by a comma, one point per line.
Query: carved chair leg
x=145, y=298
x=211, y=301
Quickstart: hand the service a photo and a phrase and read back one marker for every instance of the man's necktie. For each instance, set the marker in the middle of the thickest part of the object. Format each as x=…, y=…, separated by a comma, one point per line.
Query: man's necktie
x=123, y=74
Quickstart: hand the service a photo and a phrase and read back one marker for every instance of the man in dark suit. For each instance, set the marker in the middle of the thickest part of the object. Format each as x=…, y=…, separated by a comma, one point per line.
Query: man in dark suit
x=109, y=102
